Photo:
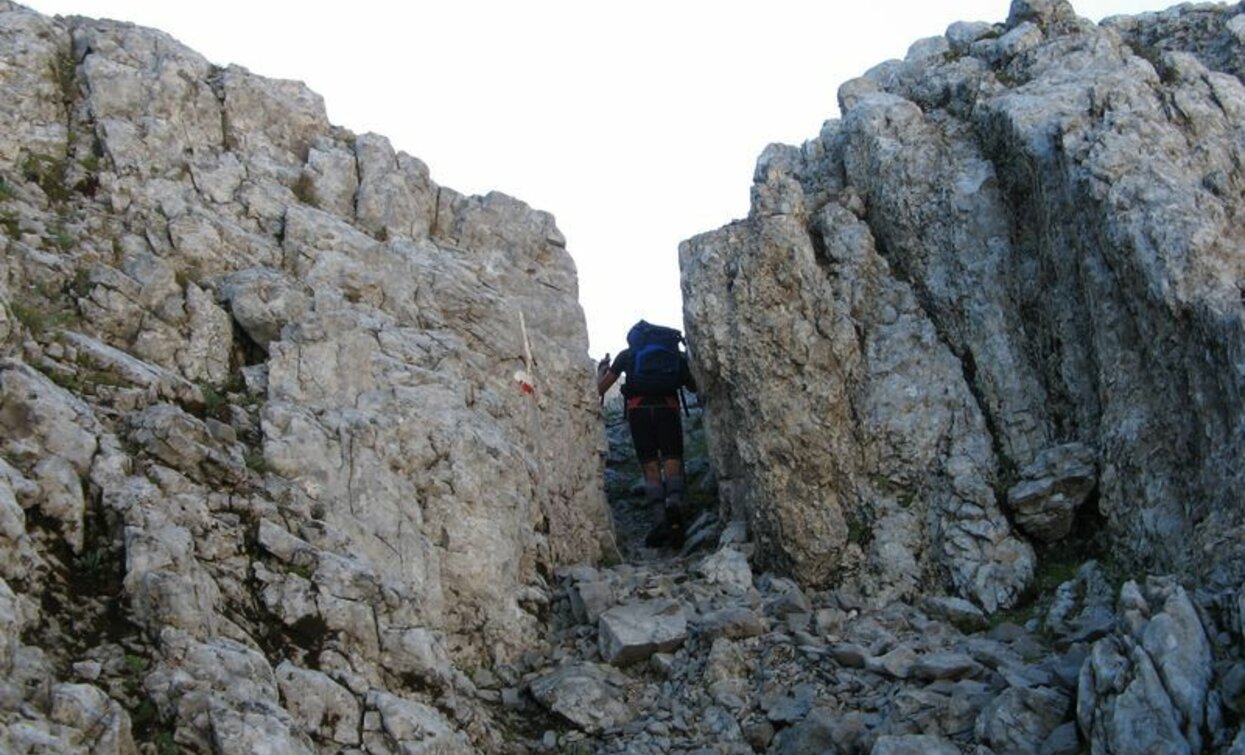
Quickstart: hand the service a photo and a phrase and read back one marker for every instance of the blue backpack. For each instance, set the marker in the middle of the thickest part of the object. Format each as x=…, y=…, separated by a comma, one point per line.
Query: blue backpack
x=656, y=364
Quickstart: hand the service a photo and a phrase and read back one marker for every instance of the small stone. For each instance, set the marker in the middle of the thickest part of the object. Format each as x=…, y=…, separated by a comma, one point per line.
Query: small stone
x=849, y=655
x=789, y=602
x=735, y=622
x=937, y=666
x=898, y=663
x=662, y=663
x=958, y=612
x=925, y=49
x=488, y=695
x=591, y=599
x=730, y=693
x=791, y=706
x=962, y=34
x=88, y=670
x=759, y=735
x=830, y=620
x=729, y=569
x=484, y=678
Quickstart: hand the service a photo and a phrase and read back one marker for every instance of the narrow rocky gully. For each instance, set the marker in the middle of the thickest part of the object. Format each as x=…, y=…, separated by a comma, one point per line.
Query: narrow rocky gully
x=275, y=475
x=690, y=651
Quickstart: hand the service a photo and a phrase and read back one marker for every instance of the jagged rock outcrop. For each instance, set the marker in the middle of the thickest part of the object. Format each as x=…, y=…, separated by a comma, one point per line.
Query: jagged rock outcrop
x=266, y=475
x=1022, y=236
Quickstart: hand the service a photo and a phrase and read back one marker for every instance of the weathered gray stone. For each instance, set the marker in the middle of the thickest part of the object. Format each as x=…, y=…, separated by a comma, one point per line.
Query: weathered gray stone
x=1044, y=247
x=1021, y=720
x=1051, y=489
x=634, y=631
x=589, y=695
x=324, y=708
x=936, y=666
x=732, y=622
x=729, y=568
x=262, y=301
x=1146, y=687
x=417, y=727
x=791, y=705
x=898, y=663
x=957, y=611
x=1062, y=741
x=849, y=654
x=1082, y=608
x=186, y=443
x=590, y=599
x=962, y=34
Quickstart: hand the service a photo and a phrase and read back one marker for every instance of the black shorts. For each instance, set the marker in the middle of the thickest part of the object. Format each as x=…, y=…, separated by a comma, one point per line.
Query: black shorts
x=657, y=432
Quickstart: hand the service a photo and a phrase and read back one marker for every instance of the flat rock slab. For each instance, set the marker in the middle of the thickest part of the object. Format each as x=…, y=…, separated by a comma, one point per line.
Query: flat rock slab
x=936, y=666
x=633, y=632
x=958, y=612
x=588, y=695
x=896, y=664
x=733, y=623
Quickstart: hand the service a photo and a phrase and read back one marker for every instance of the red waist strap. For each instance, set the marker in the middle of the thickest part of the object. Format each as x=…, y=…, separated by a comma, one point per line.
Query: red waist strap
x=640, y=402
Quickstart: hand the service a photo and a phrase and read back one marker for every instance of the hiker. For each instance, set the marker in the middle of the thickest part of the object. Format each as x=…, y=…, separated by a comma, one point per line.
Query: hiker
x=656, y=368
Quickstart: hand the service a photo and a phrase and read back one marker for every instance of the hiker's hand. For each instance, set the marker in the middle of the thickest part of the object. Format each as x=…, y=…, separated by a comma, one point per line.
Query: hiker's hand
x=603, y=365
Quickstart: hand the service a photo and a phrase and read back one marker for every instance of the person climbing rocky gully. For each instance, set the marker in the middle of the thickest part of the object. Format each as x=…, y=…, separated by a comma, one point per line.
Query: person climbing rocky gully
x=656, y=369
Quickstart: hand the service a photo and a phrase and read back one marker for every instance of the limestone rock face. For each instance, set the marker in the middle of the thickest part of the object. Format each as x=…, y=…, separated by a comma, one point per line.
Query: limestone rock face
x=1025, y=237
x=260, y=438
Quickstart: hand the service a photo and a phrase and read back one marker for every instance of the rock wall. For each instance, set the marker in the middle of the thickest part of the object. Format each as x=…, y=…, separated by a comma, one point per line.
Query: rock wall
x=1012, y=270
x=266, y=472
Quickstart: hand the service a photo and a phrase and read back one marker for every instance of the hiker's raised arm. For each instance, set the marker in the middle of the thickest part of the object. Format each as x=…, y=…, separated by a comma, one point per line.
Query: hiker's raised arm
x=605, y=380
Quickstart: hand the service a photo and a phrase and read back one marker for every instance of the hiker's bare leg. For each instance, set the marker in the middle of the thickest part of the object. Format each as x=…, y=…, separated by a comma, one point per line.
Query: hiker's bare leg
x=654, y=491
x=673, y=468
x=675, y=506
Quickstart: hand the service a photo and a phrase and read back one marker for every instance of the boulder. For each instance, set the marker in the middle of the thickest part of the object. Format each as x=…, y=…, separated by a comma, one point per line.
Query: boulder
x=589, y=695
x=634, y=631
x=1051, y=489
x=1022, y=720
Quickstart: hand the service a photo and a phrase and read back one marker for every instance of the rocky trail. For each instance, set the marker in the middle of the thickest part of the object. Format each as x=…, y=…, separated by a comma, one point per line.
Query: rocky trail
x=694, y=652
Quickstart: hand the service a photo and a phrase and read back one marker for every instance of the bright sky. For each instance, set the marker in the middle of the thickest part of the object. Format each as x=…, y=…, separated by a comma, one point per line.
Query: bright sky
x=636, y=124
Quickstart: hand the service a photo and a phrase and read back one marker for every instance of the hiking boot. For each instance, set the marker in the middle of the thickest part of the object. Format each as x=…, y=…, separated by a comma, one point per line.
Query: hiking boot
x=675, y=539
x=658, y=536
x=671, y=526
x=674, y=491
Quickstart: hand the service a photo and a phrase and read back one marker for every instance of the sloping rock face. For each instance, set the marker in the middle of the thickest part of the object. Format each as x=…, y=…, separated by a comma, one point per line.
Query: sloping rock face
x=266, y=473
x=1022, y=236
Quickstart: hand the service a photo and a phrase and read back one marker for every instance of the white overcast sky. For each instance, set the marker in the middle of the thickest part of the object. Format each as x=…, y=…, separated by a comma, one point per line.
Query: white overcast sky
x=637, y=124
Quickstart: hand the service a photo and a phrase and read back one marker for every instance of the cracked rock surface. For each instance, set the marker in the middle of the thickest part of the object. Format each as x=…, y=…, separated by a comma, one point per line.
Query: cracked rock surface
x=266, y=478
